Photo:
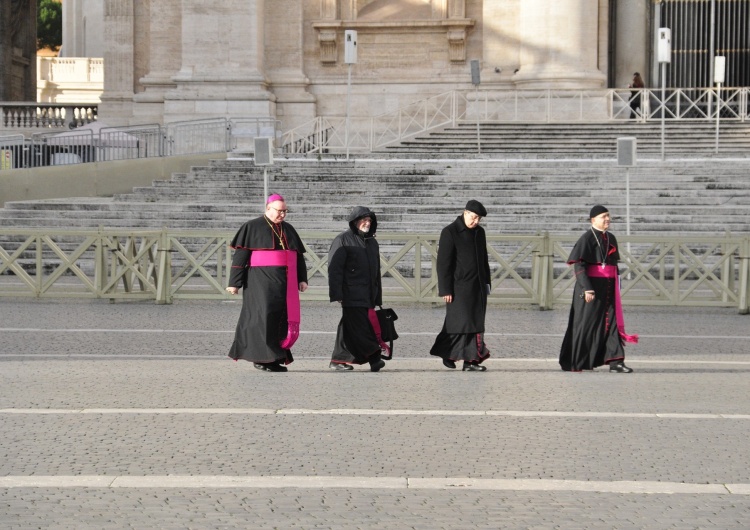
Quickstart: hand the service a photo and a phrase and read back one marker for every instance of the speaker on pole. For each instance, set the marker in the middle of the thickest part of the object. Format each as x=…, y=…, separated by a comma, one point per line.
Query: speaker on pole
x=475, y=72
x=263, y=151
x=626, y=151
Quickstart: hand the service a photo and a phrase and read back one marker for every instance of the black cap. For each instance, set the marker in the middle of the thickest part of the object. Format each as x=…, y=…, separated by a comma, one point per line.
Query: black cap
x=476, y=207
x=597, y=211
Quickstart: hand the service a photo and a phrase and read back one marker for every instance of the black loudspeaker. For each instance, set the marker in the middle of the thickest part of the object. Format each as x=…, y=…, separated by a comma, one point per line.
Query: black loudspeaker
x=475, y=72
x=263, y=151
x=626, y=151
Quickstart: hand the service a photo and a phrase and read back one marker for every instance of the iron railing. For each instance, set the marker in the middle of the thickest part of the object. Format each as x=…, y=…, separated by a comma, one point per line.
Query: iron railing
x=526, y=269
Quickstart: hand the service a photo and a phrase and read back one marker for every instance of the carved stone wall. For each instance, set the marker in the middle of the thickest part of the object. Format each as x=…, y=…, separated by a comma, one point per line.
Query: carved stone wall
x=170, y=60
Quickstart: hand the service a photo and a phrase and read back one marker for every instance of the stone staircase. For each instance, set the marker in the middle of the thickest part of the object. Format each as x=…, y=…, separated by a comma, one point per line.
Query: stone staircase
x=696, y=196
x=580, y=140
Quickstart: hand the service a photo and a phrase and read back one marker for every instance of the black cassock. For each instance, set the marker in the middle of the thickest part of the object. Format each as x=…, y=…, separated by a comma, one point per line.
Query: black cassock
x=592, y=338
x=263, y=319
x=463, y=271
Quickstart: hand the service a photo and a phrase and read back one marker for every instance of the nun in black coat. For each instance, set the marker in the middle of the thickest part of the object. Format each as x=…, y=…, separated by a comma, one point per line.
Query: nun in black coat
x=463, y=282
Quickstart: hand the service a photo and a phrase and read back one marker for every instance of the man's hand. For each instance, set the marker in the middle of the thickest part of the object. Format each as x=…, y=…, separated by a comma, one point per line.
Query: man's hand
x=232, y=290
x=588, y=296
x=302, y=287
x=448, y=298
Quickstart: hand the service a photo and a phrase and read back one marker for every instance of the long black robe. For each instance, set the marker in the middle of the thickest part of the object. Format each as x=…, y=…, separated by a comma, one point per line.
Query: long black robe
x=354, y=280
x=592, y=338
x=463, y=271
x=263, y=320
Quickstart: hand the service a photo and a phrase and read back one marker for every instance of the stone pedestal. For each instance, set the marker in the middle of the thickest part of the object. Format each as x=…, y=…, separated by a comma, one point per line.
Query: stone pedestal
x=631, y=41
x=164, y=20
x=119, y=58
x=560, y=46
x=221, y=71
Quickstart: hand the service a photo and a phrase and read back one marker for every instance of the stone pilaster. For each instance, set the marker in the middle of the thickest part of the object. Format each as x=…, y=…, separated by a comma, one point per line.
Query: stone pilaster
x=222, y=62
x=560, y=44
x=164, y=43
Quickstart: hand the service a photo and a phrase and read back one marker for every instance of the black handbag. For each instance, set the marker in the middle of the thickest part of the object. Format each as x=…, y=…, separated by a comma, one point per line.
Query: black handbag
x=387, y=318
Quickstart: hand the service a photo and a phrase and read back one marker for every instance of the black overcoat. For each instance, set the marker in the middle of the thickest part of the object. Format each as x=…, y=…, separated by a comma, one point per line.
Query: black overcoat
x=354, y=265
x=463, y=271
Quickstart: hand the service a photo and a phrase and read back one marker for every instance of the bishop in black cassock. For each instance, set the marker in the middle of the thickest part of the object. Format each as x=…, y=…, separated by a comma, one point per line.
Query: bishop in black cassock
x=596, y=331
x=264, y=329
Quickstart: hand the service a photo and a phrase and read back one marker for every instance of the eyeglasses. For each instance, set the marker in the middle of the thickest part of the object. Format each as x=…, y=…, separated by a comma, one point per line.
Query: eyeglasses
x=280, y=211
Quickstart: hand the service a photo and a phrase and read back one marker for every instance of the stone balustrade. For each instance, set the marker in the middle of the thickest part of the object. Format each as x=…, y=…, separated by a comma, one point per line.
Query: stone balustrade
x=15, y=117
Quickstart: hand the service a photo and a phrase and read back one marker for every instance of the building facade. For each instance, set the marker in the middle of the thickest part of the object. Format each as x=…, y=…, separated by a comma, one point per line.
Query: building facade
x=174, y=60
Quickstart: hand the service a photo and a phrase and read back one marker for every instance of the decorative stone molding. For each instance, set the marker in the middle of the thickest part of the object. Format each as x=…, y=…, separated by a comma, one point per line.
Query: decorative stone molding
x=327, y=40
x=455, y=29
x=457, y=45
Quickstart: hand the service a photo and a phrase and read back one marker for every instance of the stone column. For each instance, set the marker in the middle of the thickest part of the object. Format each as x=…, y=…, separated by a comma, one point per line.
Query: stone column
x=221, y=71
x=284, y=53
x=6, y=53
x=632, y=41
x=164, y=43
x=559, y=46
x=119, y=56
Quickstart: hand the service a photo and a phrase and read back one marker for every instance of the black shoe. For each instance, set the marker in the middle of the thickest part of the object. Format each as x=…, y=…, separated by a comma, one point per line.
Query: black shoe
x=340, y=367
x=471, y=367
x=620, y=368
x=376, y=365
x=448, y=363
x=270, y=367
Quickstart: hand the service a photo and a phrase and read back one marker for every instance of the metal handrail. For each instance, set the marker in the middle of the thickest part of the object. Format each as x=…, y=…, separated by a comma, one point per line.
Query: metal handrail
x=514, y=106
x=165, y=265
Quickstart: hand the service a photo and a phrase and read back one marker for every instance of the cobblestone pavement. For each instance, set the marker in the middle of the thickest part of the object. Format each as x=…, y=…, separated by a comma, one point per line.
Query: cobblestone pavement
x=130, y=415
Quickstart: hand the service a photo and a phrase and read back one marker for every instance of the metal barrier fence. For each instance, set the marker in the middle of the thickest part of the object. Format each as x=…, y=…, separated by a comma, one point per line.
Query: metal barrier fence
x=11, y=150
x=526, y=269
x=93, y=142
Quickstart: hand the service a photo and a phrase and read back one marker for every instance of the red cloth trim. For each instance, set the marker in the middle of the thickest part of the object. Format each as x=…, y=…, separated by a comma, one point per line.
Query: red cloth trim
x=375, y=323
x=281, y=258
x=610, y=271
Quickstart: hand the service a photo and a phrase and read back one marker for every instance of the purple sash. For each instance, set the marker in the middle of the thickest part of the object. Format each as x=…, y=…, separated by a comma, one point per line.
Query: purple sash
x=373, y=316
x=610, y=271
x=288, y=259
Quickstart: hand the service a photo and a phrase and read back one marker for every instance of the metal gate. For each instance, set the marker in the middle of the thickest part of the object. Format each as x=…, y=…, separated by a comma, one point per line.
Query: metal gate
x=702, y=29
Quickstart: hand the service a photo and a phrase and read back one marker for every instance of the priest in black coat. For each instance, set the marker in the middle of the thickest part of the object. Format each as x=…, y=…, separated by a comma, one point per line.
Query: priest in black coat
x=463, y=271
x=596, y=330
x=354, y=281
x=269, y=265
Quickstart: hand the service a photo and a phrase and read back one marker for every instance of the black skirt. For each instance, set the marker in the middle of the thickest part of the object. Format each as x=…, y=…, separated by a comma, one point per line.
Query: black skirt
x=356, y=342
x=263, y=319
x=467, y=347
